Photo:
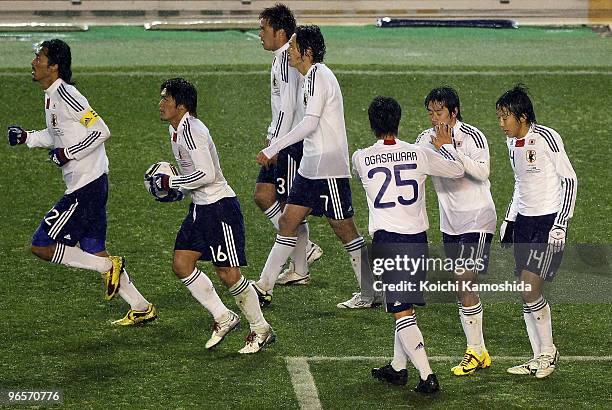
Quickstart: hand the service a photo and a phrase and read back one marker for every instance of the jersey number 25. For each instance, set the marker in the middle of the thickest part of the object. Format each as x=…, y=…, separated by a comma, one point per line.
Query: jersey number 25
x=397, y=169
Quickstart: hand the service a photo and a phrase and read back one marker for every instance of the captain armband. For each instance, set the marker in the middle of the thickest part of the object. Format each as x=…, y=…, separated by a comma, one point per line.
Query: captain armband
x=89, y=118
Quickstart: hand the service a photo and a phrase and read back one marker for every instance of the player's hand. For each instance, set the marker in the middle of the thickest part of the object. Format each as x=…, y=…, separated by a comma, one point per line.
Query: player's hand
x=159, y=184
x=263, y=160
x=173, y=196
x=556, y=238
x=444, y=135
x=16, y=135
x=59, y=157
x=506, y=234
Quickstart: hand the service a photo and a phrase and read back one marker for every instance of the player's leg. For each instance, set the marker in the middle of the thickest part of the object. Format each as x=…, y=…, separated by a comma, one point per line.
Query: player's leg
x=284, y=245
x=339, y=211
x=469, y=250
x=265, y=195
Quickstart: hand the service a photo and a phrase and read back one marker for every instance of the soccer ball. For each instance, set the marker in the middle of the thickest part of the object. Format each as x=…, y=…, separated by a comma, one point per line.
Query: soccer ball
x=159, y=168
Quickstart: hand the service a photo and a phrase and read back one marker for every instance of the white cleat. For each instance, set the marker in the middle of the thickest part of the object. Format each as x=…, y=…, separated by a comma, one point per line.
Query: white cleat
x=257, y=341
x=221, y=329
x=313, y=253
x=357, y=303
x=289, y=277
x=546, y=364
x=528, y=368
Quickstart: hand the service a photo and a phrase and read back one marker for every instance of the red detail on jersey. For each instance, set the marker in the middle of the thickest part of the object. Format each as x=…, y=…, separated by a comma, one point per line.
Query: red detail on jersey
x=47, y=103
x=174, y=137
x=520, y=143
x=389, y=142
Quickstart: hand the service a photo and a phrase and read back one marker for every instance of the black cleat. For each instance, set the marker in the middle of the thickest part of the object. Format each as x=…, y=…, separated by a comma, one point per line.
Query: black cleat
x=428, y=386
x=388, y=374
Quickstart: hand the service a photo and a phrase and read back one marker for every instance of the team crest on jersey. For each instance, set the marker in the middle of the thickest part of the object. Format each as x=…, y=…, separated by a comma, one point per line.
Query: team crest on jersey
x=274, y=82
x=530, y=154
x=305, y=98
x=54, y=120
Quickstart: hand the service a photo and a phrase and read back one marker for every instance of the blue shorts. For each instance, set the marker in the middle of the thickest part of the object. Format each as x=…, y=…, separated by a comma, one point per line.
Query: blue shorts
x=79, y=217
x=330, y=197
x=390, y=245
x=531, y=250
x=216, y=231
x=470, y=251
x=286, y=168
x=266, y=175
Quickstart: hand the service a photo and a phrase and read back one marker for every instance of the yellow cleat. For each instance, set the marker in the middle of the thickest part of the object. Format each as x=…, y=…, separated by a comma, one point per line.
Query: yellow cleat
x=111, y=277
x=471, y=362
x=135, y=317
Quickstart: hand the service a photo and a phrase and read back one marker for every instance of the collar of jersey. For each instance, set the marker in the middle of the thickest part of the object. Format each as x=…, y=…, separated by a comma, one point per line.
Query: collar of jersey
x=181, y=122
x=280, y=50
x=53, y=87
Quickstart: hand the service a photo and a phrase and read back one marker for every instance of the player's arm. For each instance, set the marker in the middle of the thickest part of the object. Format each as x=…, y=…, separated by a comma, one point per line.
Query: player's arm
x=289, y=86
x=204, y=173
x=477, y=159
x=96, y=133
x=33, y=139
x=444, y=162
x=506, y=229
x=312, y=115
x=569, y=186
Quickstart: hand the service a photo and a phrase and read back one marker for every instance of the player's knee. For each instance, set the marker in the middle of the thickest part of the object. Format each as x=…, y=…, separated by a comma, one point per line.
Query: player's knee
x=43, y=252
x=287, y=225
x=182, y=268
x=264, y=197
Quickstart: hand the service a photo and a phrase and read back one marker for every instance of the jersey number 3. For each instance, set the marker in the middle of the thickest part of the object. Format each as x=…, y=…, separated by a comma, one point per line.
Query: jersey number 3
x=397, y=169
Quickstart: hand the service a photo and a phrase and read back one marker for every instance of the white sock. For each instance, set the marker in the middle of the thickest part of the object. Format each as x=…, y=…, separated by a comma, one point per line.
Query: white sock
x=412, y=341
x=299, y=252
x=472, y=316
x=130, y=294
x=532, y=332
x=354, y=250
x=202, y=289
x=540, y=311
x=274, y=213
x=461, y=318
x=247, y=301
x=399, y=355
x=283, y=246
x=77, y=258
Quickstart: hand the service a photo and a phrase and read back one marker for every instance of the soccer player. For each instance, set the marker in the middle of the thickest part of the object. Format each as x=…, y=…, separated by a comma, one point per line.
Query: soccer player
x=321, y=186
x=213, y=229
x=467, y=216
x=75, y=135
x=393, y=174
x=537, y=217
x=276, y=25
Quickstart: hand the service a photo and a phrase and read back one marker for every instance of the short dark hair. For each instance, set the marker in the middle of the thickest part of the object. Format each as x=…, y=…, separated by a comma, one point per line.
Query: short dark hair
x=448, y=97
x=279, y=17
x=183, y=92
x=385, y=114
x=58, y=52
x=310, y=37
x=518, y=103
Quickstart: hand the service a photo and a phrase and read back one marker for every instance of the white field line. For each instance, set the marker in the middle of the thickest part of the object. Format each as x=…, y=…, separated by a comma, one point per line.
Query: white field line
x=306, y=389
x=303, y=383
x=213, y=73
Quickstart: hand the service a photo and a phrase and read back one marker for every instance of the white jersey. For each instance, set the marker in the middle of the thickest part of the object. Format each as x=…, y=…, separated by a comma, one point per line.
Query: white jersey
x=198, y=162
x=393, y=177
x=545, y=182
x=465, y=204
x=72, y=124
x=322, y=128
x=285, y=96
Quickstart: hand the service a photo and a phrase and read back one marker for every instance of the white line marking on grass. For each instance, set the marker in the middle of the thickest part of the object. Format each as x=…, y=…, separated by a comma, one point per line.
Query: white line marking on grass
x=203, y=72
x=448, y=358
x=306, y=389
x=252, y=35
x=303, y=383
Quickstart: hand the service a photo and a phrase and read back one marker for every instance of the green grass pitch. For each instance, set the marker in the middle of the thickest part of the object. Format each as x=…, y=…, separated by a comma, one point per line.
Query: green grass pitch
x=55, y=330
